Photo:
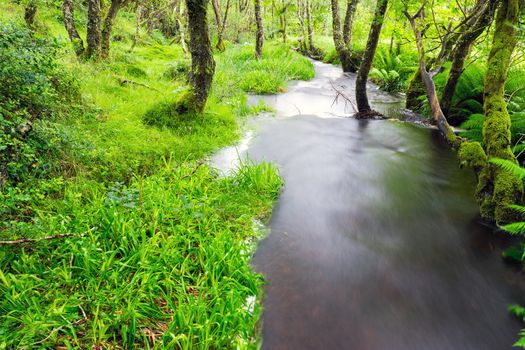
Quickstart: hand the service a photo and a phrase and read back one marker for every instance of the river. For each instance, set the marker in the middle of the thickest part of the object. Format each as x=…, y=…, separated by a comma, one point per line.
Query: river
x=375, y=240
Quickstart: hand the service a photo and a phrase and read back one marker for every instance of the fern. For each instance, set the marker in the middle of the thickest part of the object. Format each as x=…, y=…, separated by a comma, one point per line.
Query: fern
x=509, y=166
x=516, y=228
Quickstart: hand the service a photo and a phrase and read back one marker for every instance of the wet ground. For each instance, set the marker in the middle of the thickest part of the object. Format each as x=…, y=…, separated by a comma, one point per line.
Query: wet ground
x=375, y=241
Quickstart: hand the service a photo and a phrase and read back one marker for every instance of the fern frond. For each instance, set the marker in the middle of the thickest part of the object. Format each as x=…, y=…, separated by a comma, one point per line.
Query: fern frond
x=516, y=228
x=509, y=166
x=518, y=208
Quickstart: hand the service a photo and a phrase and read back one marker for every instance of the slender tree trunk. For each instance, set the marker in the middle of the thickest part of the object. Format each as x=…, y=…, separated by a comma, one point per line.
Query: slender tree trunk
x=430, y=89
x=30, y=13
x=462, y=50
x=182, y=28
x=108, y=26
x=68, y=13
x=351, y=7
x=259, y=34
x=363, y=106
x=497, y=189
x=284, y=25
x=93, y=37
x=220, y=22
x=202, y=62
x=343, y=51
x=309, y=27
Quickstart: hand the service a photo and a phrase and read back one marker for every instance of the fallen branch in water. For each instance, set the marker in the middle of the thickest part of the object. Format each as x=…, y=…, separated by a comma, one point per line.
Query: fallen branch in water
x=47, y=238
x=340, y=94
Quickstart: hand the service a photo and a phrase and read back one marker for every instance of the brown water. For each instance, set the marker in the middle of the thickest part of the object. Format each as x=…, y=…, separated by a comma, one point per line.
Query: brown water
x=375, y=241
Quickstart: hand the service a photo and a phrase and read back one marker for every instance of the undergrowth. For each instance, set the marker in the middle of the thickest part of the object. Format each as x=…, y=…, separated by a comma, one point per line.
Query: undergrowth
x=157, y=246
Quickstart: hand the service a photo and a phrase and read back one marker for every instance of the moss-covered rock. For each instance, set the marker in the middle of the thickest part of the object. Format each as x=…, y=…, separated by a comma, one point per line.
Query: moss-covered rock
x=472, y=154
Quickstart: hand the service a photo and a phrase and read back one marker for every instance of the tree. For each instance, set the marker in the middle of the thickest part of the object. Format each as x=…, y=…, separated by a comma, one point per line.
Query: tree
x=94, y=35
x=115, y=6
x=363, y=106
x=220, y=22
x=202, y=62
x=497, y=188
x=351, y=7
x=427, y=77
x=68, y=8
x=259, y=34
x=342, y=41
x=97, y=39
x=481, y=18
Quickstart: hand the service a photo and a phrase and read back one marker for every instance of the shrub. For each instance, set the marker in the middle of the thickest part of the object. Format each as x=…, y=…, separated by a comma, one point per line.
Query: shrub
x=32, y=94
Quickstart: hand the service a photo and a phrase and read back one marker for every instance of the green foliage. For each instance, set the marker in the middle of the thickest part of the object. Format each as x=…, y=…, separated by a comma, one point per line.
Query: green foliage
x=179, y=69
x=34, y=92
x=392, y=71
x=163, y=263
x=268, y=75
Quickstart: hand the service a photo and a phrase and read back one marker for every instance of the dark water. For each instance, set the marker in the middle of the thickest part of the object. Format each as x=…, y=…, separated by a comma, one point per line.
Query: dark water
x=375, y=241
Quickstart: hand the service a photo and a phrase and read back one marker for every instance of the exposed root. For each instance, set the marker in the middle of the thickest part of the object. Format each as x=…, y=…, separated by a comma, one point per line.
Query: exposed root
x=371, y=114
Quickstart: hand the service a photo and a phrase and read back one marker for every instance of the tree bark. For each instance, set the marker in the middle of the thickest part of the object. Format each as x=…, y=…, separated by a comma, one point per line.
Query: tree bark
x=202, y=62
x=259, y=34
x=363, y=106
x=430, y=87
x=108, y=26
x=343, y=50
x=93, y=37
x=497, y=189
x=220, y=22
x=309, y=27
x=462, y=50
x=351, y=7
x=68, y=8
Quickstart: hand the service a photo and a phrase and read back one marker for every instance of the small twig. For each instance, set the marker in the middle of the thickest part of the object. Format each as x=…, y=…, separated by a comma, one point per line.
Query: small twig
x=199, y=164
x=47, y=238
x=124, y=81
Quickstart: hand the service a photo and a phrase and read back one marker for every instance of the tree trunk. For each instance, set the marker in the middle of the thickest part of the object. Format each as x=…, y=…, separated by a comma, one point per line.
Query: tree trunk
x=363, y=106
x=462, y=50
x=309, y=27
x=220, y=36
x=430, y=87
x=202, y=62
x=351, y=7
x=220, y=22
x=343, y=51
x=284, y=25
x=259, y=35
x=182, y=28
x=30, y=13
x=93, y=37
x=497, y=189
x=68, y=8
x=108, y=26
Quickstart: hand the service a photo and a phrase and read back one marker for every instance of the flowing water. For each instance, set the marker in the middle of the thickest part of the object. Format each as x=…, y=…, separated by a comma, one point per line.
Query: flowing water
x=375, y=241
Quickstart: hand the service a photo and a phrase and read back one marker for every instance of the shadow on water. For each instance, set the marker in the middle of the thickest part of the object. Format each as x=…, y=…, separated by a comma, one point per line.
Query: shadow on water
x=375, y=241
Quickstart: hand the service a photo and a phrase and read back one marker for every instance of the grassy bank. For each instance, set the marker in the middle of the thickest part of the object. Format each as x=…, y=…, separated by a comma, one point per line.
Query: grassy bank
x=150, y=247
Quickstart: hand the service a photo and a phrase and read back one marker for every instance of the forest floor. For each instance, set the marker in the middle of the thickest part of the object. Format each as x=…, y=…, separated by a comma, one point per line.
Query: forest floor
x=158, y=246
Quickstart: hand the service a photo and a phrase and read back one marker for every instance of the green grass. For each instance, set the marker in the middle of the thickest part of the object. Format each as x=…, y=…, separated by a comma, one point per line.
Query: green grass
x=164, y=262
x=164, y=266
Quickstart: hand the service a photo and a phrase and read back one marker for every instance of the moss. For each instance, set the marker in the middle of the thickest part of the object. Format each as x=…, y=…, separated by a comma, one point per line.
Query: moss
x=472, y=154
x=508, y=190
